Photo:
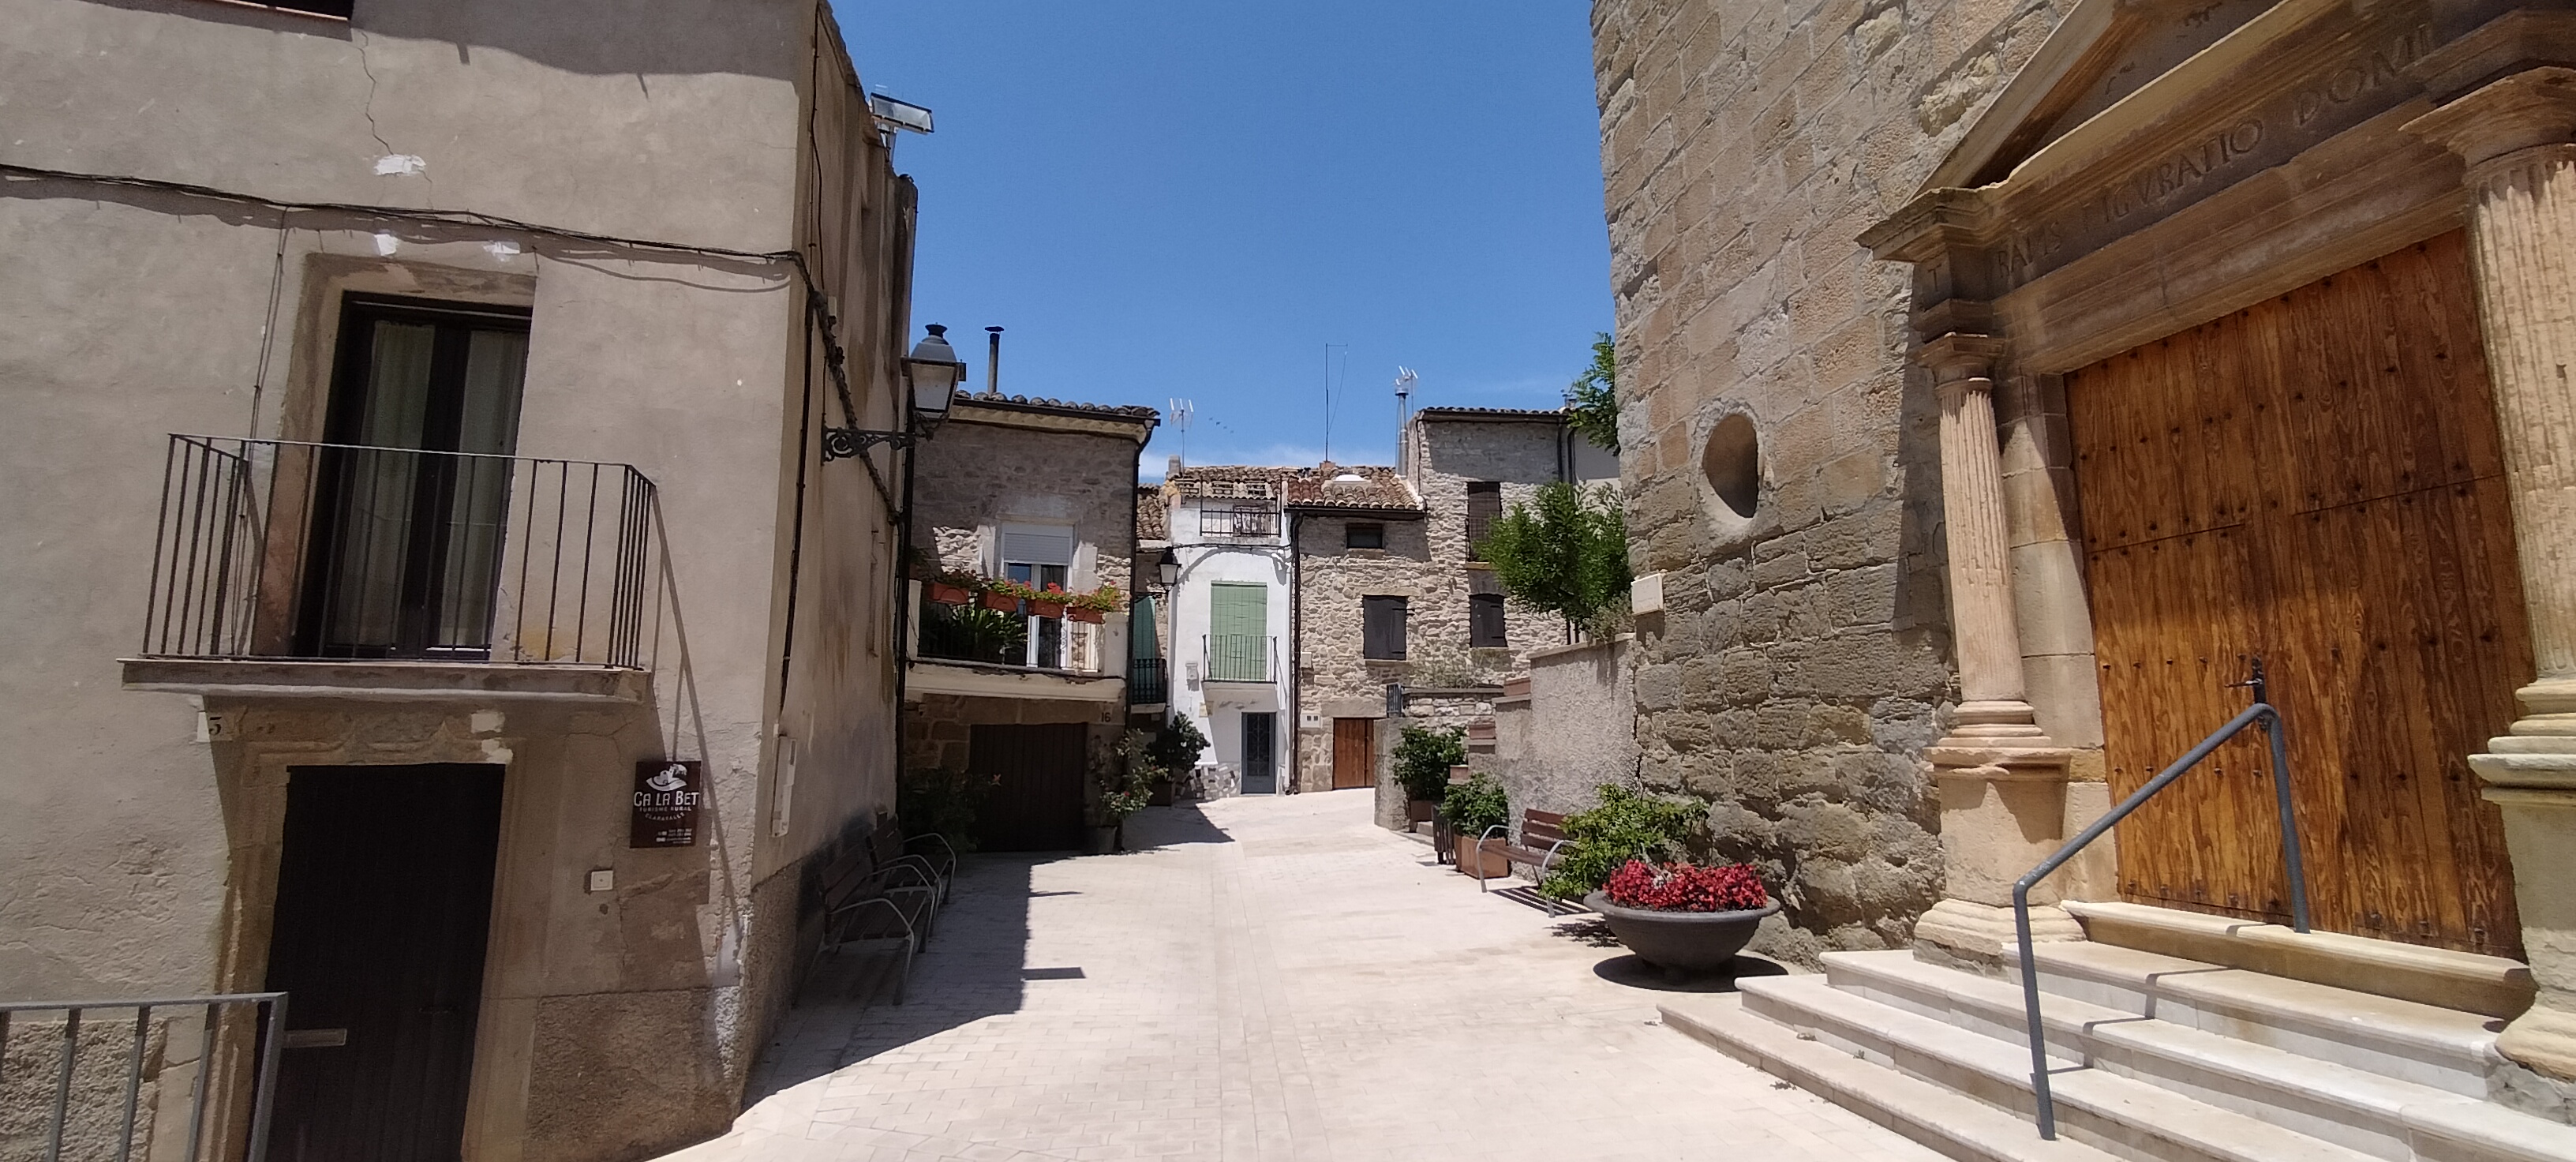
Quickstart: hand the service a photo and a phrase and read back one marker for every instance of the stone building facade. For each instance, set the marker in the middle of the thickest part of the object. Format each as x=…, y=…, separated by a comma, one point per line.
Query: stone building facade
x=1040, y=491
x=2010, y=391
x=420, y=283
x=1417, y=513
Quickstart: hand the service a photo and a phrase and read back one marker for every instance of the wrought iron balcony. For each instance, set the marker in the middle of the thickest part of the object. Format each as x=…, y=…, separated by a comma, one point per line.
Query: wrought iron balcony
x=286, y=550
x=1239, y=521
x=1149, y=682
x=1236, y=657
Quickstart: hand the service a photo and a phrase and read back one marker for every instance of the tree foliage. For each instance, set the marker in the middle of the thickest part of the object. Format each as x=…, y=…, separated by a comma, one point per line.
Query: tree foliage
x=1592, y=400
x=1627, y=825
x=1568, y=556
x=1423, y=759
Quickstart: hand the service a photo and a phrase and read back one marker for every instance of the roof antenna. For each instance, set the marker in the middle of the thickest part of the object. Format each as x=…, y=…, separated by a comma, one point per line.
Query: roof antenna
x=1182, y=410
x=1404, y=381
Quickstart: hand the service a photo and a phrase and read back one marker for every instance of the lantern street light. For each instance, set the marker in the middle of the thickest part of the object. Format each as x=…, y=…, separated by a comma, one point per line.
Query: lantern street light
x=1170, y=567
x=930, y=374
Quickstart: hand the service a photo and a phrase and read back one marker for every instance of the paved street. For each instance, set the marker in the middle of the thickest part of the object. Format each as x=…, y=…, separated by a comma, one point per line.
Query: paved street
x=1273, y=979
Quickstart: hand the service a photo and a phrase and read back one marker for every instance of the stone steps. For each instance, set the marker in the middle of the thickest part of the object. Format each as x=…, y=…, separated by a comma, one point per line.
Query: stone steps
x=2432, y=976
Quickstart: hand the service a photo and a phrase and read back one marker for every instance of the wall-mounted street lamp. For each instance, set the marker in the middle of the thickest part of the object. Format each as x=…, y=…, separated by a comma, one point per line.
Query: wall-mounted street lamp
x=1170, y=567
x=930, y=375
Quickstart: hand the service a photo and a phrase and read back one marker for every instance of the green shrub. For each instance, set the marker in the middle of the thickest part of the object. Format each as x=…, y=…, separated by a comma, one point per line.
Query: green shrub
x=1176, y=749
x=1474, y=805
x=1626, y=826
x=943, y=801
x=1423, y=759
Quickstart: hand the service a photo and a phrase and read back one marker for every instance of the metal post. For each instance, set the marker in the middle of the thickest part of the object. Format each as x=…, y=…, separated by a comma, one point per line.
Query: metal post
x=274, y=1041
x=63, y=1085
x=2289, y=823
x=2047, y=1103
x=134, y=1080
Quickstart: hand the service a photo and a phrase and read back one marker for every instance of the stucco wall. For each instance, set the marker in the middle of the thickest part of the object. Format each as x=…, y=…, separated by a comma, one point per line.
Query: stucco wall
x=1218, y=707
x=1556, y=745
x=140, y=313
x=1802, y=660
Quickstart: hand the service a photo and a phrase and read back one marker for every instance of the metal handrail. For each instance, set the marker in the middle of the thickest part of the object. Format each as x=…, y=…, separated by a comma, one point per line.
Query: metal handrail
x=271, y=1038
x=2261, y=711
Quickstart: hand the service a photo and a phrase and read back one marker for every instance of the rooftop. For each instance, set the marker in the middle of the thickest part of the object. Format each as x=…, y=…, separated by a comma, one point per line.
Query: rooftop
x=1328, y=485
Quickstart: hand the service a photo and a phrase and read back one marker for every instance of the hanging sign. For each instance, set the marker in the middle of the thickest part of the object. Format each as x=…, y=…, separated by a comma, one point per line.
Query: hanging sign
x=668, y=796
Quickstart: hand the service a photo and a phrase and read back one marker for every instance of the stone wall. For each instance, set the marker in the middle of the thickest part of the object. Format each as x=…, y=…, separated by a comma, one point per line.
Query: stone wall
x=1802, y=661
x=975, y=476
x=1572, y=732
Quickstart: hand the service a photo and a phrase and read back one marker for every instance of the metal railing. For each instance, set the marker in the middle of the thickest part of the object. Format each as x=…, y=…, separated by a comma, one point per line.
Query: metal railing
x=2262, y=711
x=282, y=549
x=228, y=1026
x=1240, y=657
x=1148, y=682
x=1241, y=521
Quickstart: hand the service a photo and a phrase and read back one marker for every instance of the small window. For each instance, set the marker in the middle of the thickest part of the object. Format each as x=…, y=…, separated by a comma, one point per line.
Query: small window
x=1485, y=622
x=1364, y=536
x=1382, y=628
x=1484, y=507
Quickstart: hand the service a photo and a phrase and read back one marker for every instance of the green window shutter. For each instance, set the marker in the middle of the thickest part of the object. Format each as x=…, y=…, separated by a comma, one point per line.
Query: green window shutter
x=1237, y=609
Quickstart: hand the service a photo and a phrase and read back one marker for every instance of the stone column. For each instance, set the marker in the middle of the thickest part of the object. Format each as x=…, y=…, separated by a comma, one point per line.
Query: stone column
x=2002, y=780
x=2516, y=136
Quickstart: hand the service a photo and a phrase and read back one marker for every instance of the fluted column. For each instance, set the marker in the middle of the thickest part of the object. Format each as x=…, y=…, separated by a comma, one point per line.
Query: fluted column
x=2002, y=780
x=2516, y=134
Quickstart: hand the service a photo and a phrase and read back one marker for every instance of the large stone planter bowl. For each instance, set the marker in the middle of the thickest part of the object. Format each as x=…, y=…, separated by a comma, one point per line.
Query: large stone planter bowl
x=1680, y=942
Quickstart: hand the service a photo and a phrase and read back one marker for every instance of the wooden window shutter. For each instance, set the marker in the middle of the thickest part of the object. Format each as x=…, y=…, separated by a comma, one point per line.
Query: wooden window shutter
x=1382, y=628
x=1485, y=621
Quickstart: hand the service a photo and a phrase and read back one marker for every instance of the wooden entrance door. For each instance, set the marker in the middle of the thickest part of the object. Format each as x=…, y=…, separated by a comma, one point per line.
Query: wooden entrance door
x=1354, y=753
x=1036, y=801
x=384, y=899
x=2314, y=480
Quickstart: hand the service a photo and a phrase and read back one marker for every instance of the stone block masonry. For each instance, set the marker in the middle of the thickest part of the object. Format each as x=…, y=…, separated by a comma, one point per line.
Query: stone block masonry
x=1802, y=663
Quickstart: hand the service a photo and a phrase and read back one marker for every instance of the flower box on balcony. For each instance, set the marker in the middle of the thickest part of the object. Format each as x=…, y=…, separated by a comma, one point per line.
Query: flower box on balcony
x=947, y=594
x=1001, y=602
x=1081, y=613
x=1044, y=608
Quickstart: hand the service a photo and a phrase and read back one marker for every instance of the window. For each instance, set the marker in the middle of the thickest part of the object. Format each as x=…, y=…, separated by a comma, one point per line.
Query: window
x=1382, y=628
x=1039, y=557
x=1484, y=507
x=1485, y=621
x=1364, y=536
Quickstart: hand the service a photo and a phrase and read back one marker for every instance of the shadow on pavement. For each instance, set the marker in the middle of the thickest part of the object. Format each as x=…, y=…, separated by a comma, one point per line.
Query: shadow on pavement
x=1637, y=974
x=1177, y=825
x=969, y=968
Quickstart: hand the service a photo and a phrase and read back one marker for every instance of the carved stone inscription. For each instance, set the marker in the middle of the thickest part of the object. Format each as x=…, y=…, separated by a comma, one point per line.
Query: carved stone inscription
x=2365, y=79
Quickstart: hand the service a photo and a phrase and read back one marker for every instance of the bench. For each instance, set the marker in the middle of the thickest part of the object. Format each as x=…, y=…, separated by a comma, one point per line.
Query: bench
x=890, y=846
x=1542, y=836
x=879, y=898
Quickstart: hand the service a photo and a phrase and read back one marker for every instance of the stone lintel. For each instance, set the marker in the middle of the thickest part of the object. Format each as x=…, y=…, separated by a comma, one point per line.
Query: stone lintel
x=1971, y=316
x=1934, y=223
x=2534, y=107
x=2520, y=39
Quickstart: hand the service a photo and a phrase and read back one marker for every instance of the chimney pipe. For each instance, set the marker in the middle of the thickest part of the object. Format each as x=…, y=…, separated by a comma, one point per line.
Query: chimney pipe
x=1174, y=468
x=993, y=362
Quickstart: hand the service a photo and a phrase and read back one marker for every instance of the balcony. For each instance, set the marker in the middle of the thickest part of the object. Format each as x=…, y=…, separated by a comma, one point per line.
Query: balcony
x=1241, y=657
x=974, y=650
x=285, y=568
x=1242, y=522
x=1149, y=682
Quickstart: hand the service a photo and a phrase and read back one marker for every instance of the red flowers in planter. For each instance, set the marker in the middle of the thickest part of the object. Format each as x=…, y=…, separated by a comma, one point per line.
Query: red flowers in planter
x=1686, y=887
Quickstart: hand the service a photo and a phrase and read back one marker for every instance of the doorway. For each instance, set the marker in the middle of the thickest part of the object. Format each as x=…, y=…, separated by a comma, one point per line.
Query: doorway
x=384, y=903
x=2315, y=481
x=1036, y=800
x=1260, y=753
x=1354, y=753
x=412, y=488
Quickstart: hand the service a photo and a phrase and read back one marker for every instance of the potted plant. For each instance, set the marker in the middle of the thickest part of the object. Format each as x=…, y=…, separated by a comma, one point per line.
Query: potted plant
x=1174, y=752
x=1683, y=917
x=953, y=588
x=1125, y=788
x=1003, y=595
x=1471, y=807
x=1422, y=761
x=1048, y=602
x=1095, y=606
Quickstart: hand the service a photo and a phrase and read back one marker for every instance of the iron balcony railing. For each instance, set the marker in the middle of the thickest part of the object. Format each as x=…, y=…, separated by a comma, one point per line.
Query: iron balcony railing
x=1239, y=521
x=1148, y=682
x=98, y=1058
x=2261, y=714
x=281, y=549
x=978, y=633
x=1237, y=657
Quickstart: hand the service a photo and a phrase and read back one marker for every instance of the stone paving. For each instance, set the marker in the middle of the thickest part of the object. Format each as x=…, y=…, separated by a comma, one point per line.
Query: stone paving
x=1270, y=978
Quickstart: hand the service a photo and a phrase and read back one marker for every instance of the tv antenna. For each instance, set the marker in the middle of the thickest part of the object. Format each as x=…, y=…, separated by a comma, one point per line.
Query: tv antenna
x=1404, y=381
x=1182, y=410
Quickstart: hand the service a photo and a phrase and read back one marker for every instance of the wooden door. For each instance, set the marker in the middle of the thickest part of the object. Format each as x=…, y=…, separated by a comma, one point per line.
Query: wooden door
x=1260, y=752
x=1354, y=753
x=1036, y=802
x=384, y=900
x=2314, y=480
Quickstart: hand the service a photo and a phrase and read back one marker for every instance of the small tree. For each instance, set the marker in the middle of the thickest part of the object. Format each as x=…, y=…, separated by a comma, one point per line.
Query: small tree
x=1177, y=747
x=1592, y=400
x=1423, y=759
x=1568, y=557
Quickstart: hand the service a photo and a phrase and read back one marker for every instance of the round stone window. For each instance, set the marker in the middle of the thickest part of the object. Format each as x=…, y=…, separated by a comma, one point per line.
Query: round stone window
x=1733, y=463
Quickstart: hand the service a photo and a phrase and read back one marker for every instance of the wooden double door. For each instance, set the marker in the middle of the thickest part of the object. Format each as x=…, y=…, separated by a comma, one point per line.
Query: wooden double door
x=1036, y=800
x=2314, y=481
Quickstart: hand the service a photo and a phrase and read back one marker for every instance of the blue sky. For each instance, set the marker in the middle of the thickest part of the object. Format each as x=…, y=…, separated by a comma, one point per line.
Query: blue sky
x=1166, y=200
